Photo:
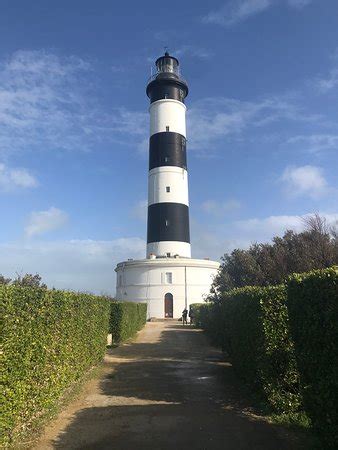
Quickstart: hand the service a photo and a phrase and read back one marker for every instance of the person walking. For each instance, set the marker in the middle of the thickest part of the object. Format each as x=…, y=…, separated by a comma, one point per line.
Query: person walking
x=184, y=316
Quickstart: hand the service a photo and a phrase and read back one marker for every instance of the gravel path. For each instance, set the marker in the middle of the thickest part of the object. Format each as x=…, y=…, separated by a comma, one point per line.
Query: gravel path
x=168, y=389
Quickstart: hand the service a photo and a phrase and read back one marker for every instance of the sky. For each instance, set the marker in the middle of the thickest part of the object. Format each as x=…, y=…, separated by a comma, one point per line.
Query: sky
x=262, y=127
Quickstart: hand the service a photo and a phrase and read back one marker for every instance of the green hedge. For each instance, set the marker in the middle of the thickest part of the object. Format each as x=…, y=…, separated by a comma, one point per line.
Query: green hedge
x=126, y=319
x=251, y=324
x=257, y=338
x=208, y=317
x=49, y=340
x=313, y=311
x=199, y=310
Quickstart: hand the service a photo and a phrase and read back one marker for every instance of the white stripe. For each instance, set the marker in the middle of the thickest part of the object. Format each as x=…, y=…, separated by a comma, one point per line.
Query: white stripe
x=162, y=179
x=167, y=115
x=172, y=247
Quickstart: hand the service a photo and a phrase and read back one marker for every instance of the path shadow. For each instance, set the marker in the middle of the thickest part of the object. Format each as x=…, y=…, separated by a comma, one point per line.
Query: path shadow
x=175, y=393
x=167, y=427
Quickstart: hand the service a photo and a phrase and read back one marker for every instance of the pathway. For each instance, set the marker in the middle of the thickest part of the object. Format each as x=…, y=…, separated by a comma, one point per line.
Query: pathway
x=168, y=389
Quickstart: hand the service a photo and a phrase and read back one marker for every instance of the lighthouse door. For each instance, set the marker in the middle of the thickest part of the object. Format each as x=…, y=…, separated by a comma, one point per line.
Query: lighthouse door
x=168, y=305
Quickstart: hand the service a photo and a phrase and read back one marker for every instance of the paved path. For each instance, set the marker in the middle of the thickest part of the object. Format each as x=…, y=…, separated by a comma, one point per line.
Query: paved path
x=168, y=389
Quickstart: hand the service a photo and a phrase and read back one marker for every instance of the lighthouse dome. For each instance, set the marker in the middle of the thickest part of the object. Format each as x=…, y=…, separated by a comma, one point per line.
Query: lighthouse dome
x=167, y=81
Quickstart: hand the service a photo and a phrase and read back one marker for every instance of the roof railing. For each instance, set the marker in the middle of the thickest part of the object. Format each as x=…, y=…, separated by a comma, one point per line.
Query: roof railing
x=155, y=75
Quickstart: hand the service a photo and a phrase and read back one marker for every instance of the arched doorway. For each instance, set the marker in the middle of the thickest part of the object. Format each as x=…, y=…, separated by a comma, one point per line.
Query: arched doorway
x=168, y=305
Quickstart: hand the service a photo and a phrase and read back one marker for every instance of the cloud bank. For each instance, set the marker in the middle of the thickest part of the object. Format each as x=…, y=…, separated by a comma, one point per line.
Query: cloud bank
x=85, y=265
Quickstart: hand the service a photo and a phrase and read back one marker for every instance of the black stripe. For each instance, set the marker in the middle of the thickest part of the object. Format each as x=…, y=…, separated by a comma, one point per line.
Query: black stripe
x=161, y=88
x=167, y=149
x=168, y=222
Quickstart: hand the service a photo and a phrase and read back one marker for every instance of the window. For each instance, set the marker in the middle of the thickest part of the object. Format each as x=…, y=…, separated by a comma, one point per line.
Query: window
x=166, y=158
x=166, y=222
x=167, y=189
x=169, y=277
x=120, y=280
x=167, y=128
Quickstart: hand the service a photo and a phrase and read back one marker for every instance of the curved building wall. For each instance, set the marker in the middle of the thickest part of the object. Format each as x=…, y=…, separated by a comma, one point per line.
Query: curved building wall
x=188, y=280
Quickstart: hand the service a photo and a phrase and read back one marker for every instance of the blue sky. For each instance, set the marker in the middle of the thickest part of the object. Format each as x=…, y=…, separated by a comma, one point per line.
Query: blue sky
x=262, y=127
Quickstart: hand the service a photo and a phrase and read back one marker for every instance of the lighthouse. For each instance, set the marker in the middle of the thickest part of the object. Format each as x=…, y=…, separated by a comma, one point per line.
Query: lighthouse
x=167, y=279
x=168, y=204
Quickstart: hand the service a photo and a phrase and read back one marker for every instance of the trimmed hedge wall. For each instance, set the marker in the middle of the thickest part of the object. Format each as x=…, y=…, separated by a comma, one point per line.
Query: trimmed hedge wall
x=126, y=319
x=251, y=324
x=49, y=340
x=283, y=341
x=199, y=314
x=209, y=317
x=313, y=311
x=256, y=335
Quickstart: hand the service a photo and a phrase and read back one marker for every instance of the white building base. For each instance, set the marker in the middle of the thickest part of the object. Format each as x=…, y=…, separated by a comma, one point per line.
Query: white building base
x=167, y=285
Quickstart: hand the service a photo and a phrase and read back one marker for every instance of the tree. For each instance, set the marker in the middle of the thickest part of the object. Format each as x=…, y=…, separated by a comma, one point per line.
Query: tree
x=29, y=280
x=4, y=280
x=270, y=263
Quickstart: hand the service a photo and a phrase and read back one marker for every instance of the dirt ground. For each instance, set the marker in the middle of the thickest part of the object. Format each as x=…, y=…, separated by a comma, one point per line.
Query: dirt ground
x=168, y=389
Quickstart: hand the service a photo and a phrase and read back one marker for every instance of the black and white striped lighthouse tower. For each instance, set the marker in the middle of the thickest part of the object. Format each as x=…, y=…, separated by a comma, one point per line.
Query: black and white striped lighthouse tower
x=168, y=204
x=168, y=279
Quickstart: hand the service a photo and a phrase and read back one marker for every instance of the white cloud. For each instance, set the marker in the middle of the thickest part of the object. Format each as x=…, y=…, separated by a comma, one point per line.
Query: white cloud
x=236, y=11
x=220, y=208
x=269, y=226
x=88, y=265
x=210, y=119
x=215, y=240
x=40, y=102
x=41, y=222
x=213, y=118
x=47, y=103
x=191, y=50
x=262, y=230
x=129, y=122
x=315, y=143
x=16, y=177
x=329, y=82
x=85, y=265
x=305, y=180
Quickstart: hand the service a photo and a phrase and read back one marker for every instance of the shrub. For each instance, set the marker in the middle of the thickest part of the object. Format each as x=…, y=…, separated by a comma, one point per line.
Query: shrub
x=206, y=317
x=126, y=319
x=49, y=340
x=197, y=309
x=258, y=341
x=251, y=324
x=313, y=311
